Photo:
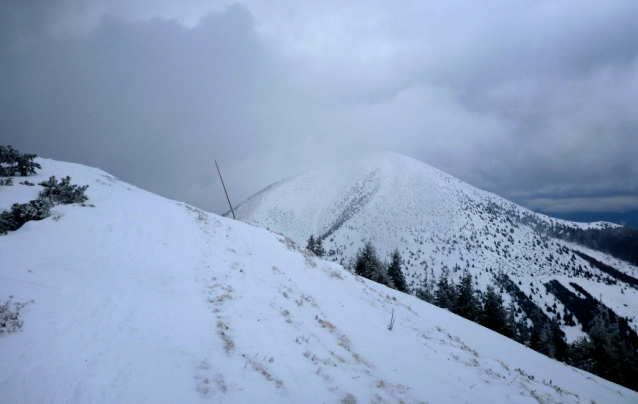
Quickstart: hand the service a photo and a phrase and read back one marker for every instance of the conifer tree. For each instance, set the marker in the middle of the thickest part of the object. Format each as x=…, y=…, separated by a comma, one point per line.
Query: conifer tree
x=310, y=246
x=558, y=340
x=493, y=315
x=511, y=330
x=63, y=192
x=367, y=263
x=523, y=330
x=579, y=354
x=540, y=338
x=395, y=274
x=426, y=290
x=12, y=162
x=467, y=305
x=318, y=250
x=381, y=275
x=606, y=346
x=444, y=294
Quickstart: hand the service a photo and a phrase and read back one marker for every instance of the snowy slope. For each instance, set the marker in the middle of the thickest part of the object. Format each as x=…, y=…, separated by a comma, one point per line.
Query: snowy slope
x=141, y=299
x=435, y=220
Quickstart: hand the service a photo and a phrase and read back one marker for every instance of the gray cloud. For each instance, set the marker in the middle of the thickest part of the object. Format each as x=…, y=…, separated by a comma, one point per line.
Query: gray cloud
x=535, y=101
x=153, y=102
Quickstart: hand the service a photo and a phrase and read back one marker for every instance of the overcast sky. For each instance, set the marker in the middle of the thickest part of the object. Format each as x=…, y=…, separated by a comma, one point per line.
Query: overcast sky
x=534, y=100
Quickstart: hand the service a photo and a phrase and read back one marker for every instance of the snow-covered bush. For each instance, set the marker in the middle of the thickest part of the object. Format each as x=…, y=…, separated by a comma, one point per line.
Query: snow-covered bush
x=63, y=192
x=54, y=193
x=12, y=162
x=20, y=213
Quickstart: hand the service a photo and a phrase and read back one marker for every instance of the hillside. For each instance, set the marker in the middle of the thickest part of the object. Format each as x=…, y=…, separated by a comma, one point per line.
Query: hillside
x=437, y=221
x=143, y=299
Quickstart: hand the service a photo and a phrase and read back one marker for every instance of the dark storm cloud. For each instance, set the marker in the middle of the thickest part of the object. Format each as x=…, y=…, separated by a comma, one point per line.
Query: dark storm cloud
x=534, y=100
x=153, y=102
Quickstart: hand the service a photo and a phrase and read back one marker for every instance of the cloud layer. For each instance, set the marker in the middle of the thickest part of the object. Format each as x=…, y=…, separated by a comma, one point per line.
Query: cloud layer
x=534, y=100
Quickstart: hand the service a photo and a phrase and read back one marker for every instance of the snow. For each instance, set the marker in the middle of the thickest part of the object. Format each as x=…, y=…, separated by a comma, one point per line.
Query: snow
x=435, y=220
x=141, y=299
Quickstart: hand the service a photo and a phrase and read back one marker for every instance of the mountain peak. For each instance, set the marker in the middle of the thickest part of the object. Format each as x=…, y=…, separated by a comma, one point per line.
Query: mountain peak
x=436, y=222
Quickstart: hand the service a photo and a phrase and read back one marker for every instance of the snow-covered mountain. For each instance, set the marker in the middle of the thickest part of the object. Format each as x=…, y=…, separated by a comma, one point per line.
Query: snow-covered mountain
x=141, y=299
x=436, y=221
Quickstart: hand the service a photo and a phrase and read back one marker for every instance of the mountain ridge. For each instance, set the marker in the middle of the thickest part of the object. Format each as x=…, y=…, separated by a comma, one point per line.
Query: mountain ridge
x=437, y=221
x=144, y=299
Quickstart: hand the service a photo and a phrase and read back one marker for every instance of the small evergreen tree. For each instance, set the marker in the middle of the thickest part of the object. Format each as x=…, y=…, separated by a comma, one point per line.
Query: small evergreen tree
x=606, y=347
x=558, y=340
x=540, y=338
x=310, y=246
x=426, y=290
x=12, y=162
x=580, y=354
x=511, y=329
x=523, y=330
x=318, y=250
x=444, y=294
x=21, y=213
x=467, y=305
x=395, y=274
x=367, y=262
x=368, y=265
x=493, y=314
x=381, y=275
x=63, y=192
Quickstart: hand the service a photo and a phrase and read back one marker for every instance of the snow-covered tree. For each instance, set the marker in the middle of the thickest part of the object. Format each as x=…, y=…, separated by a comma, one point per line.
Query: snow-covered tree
x=606, y=346
x=368, y=265
x=395, y=273
x=310, y=245
x=426, y=290
x=467, y=305
x=493, y=314
x=12, y=162
x=315, y=245
x=319, y=250
x=63, y=192
x=444, y=295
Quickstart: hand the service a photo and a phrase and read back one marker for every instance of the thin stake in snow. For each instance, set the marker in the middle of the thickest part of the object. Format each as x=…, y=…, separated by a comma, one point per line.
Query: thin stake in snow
x=391, y=326
x=220, y=177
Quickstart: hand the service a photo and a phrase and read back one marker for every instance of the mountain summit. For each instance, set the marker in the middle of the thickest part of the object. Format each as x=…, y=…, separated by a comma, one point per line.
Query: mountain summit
x=438, y=222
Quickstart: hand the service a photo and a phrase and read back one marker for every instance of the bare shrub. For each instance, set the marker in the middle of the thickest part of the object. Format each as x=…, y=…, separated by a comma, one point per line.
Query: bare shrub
x=10, y=316
x=325, y=323
x=348, y=398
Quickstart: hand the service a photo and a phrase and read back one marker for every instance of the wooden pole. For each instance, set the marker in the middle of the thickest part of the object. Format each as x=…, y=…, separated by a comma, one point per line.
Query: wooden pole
x=220, y=177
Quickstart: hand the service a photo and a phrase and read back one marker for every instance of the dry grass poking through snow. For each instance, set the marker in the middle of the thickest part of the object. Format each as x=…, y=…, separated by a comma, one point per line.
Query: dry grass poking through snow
x=10, y=316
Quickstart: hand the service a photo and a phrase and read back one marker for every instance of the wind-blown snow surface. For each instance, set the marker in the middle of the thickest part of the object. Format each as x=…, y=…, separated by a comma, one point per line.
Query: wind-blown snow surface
x=141, y=299
x=435, y=220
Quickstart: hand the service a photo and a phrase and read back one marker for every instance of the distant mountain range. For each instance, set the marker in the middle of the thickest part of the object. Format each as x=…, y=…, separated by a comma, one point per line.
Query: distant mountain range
x=629, y=218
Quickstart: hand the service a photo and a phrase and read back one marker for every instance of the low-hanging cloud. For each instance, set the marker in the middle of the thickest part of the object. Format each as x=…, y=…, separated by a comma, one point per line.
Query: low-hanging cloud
x=154, y=102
